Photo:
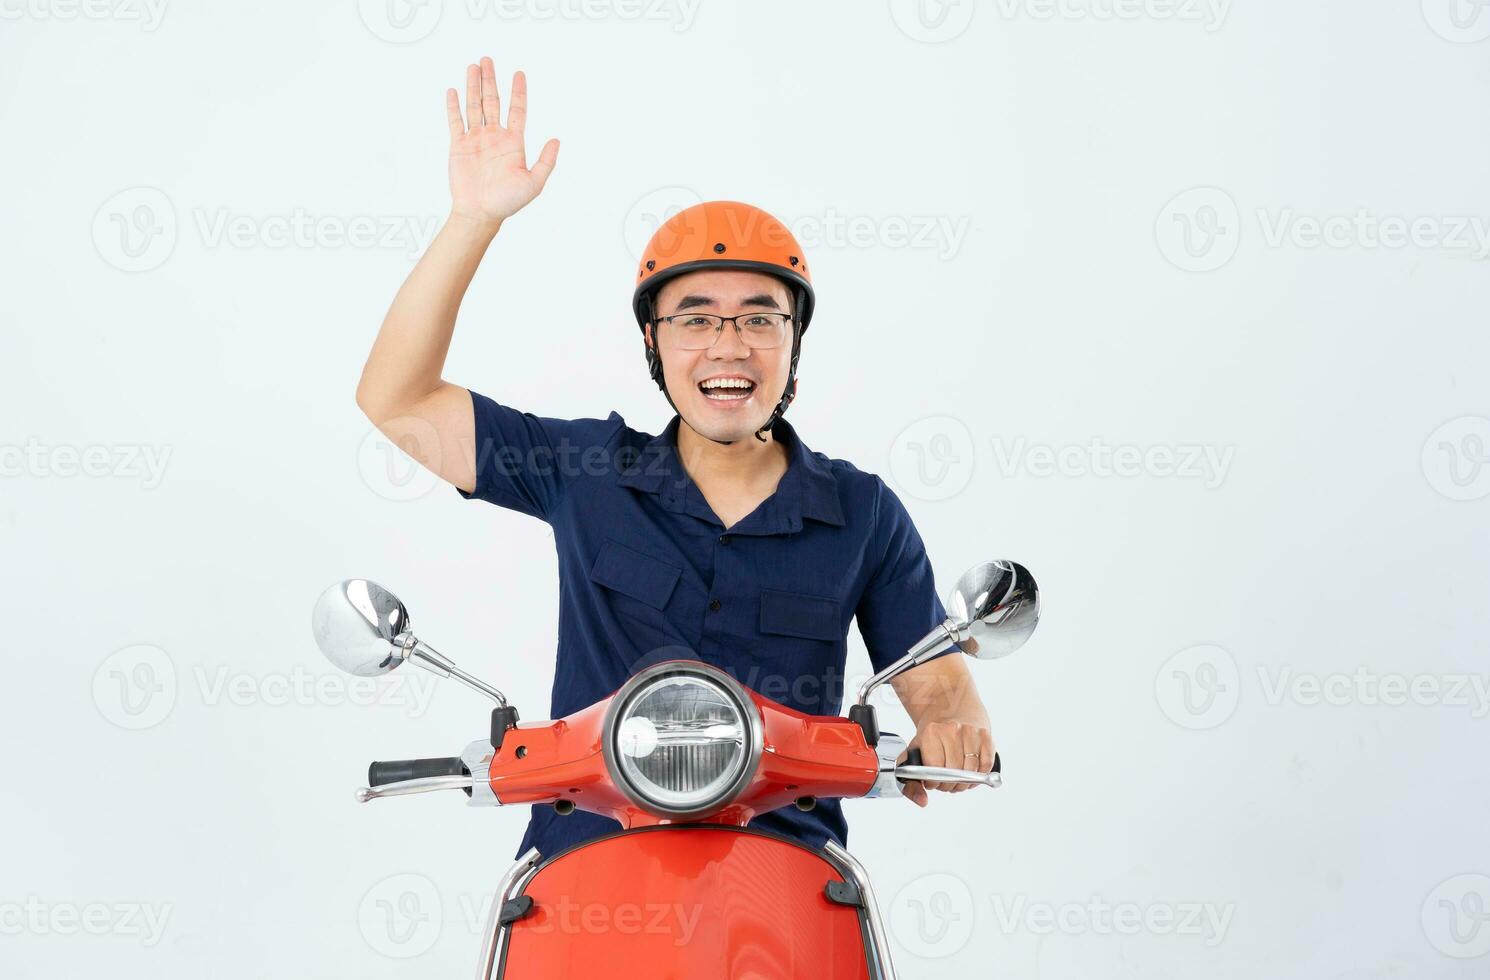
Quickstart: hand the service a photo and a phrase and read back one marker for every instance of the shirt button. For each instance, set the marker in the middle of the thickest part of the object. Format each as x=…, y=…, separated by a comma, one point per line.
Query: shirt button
x=724, y=539
x=713, y=605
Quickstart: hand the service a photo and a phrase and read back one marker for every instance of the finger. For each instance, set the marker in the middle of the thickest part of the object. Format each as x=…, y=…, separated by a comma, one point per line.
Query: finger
x=517, y=108
x=452, y=114
x=473, y=97
x=544, y=165
x=972, y=756
x=491, y=103
x=987, y=750
x=935, y=751
x=914, y=792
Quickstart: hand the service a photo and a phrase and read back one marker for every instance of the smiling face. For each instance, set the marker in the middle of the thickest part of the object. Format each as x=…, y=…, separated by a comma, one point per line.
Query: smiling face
x=729, y=390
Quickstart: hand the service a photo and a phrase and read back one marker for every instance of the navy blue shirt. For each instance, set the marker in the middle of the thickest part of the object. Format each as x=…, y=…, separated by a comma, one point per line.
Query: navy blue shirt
x=648, y=572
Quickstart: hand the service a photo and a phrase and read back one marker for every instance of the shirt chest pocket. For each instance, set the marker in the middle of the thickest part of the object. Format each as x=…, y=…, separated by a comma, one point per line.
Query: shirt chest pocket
x=649, y=581
x=795, y=614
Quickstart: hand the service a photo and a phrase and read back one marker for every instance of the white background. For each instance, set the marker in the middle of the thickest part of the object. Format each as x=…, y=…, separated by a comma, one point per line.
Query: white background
x=1010, y=274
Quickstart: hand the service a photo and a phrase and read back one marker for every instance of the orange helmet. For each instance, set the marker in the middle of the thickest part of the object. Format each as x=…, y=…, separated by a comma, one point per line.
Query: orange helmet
x=725, y=235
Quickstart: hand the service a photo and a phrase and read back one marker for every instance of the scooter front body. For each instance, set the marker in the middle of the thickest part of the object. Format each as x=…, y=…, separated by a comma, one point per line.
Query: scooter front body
x=682, y=756
x=684, y=902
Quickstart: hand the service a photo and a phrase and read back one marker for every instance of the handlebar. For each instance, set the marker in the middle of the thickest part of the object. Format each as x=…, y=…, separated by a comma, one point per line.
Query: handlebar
x=403, y=777
x=401, y=770
x=912, y=769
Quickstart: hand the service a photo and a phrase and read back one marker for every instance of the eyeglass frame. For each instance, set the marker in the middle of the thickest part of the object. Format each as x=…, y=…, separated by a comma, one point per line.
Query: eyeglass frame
x=732, y=321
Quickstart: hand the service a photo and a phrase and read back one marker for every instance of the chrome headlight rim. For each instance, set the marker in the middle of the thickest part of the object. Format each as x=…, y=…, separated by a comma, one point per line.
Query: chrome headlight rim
x=749, y=714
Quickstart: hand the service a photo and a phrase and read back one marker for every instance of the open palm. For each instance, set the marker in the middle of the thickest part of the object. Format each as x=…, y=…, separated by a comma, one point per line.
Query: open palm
x=490, y=179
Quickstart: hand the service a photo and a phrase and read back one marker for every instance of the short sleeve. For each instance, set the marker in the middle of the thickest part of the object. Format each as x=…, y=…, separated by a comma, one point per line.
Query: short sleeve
x=526, y=463
x=899, y=605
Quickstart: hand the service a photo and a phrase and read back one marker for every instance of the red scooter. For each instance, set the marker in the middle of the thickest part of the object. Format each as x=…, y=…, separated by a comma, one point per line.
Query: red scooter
x=683, y=756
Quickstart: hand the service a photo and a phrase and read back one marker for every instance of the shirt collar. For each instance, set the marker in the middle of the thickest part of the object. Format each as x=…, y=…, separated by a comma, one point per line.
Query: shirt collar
x=807, y=490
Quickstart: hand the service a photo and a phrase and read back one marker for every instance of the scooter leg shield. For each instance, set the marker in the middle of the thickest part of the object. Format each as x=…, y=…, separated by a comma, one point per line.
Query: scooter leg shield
x=686, y=902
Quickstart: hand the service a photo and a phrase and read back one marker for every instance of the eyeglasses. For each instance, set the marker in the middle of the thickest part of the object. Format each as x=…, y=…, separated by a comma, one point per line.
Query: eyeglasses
x=700, y=331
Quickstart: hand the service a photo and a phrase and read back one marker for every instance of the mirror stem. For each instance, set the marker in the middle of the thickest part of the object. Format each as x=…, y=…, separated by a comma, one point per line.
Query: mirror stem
x=426, y=656
x=938, y=641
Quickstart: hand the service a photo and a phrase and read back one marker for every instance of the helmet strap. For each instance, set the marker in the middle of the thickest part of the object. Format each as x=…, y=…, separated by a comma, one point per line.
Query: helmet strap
x=790, y=392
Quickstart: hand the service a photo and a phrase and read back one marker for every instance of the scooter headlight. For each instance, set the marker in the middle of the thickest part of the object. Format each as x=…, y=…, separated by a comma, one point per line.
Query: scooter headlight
x=682, y=739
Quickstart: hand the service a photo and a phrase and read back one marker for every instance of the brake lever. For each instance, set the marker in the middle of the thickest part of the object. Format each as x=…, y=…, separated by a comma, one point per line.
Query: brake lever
x=941, y=774
x=408, y=787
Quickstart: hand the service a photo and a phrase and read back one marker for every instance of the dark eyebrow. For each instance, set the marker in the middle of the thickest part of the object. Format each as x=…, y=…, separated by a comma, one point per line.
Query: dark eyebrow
x=760, y=299
x=690, y=301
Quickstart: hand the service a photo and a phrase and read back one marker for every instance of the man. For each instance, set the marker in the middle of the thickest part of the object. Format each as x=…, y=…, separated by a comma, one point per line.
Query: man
x=723, y=538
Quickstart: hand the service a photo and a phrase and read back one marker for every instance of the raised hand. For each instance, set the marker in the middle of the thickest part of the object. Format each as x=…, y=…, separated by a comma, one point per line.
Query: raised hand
x=490, y=179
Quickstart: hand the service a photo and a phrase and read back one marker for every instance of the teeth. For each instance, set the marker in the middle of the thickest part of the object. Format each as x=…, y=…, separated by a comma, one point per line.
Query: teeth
x=726, y=383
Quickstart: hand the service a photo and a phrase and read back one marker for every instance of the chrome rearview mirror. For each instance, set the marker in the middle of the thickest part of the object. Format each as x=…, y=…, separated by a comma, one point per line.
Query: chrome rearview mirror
x=991, y=612
x=993, y=609
x=363, y=628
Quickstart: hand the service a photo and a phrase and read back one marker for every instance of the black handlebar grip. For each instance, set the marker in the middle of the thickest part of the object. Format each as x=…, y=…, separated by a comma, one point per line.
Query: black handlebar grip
x=396, y=771
x=913, y=758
